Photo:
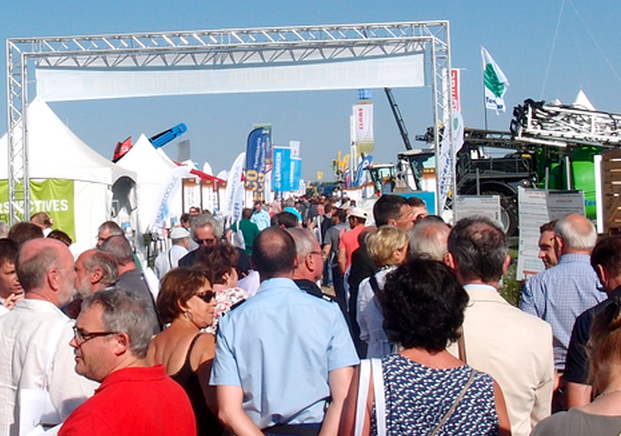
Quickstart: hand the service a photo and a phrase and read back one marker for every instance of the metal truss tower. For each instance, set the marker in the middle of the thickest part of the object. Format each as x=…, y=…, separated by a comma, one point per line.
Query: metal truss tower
x=211, y=49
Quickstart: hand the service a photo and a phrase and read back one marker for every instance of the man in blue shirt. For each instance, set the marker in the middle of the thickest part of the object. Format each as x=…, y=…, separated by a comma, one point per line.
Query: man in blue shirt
x=260, y=216
x=283, y=355
x=559, y=294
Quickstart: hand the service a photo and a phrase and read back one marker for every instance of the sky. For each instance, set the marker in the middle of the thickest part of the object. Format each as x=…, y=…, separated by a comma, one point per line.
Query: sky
x=547, y=49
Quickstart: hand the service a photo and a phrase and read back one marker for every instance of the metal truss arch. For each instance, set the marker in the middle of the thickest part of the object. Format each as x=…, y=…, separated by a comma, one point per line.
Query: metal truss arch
x=228, y=48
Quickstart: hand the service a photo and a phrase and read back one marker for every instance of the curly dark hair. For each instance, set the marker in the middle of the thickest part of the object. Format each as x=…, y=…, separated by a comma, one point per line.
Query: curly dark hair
x=217, y=260
x=423, y=305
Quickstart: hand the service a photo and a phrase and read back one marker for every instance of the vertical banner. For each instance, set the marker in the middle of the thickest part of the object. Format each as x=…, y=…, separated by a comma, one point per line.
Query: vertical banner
x=296, y=165
x=363, y=127
x=360, y=178
x=256, y=155
x=169, y=188
x=282, y=169
x=445, y=165
x=232, y=183
x=56, y=197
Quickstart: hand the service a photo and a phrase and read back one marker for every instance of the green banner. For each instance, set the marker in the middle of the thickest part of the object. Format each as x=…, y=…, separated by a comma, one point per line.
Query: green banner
x=52, y=196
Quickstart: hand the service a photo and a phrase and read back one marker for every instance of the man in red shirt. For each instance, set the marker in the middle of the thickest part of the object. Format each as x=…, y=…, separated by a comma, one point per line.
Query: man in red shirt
x=111, y=338
x=349, y=241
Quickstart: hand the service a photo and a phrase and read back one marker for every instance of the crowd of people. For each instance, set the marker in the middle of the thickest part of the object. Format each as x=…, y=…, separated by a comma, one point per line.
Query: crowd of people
x=310, y=317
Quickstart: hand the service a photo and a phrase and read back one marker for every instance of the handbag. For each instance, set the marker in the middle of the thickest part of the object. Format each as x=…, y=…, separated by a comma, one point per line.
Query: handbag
x=238, y=238
x=36, y=411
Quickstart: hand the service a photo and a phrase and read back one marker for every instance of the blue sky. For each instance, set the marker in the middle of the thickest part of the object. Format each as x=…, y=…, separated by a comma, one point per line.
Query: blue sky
x=519, y=35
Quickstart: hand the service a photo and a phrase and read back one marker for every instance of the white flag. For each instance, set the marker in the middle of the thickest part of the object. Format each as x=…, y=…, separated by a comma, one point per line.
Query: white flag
x=495, y=83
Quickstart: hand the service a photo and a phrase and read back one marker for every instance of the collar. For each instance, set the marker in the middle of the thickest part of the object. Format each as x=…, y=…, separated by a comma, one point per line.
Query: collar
x=477, y=286
x=141, y=374
x=575, y=257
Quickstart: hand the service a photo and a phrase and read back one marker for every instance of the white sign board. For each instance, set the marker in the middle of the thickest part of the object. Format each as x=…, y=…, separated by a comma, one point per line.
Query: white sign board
x=477, y=205
x=538, y=207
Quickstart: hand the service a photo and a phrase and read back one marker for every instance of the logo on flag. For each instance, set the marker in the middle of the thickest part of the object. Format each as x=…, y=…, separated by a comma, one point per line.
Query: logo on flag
x=495, y=83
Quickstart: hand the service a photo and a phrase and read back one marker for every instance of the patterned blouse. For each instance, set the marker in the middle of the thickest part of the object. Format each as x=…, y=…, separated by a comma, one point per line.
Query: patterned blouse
x=417, y=397
x=225, y=299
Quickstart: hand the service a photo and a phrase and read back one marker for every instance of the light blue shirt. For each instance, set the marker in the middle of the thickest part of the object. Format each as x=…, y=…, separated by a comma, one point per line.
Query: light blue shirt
x=279, y=346
x=261, y=219
x=559, y=295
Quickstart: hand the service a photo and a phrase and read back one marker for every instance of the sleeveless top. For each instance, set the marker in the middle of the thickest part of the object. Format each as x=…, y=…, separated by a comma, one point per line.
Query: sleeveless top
x=207, y=424
x=417, y=397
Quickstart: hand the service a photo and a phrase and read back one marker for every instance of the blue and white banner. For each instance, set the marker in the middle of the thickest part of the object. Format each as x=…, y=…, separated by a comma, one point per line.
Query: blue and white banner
x=231, y=201
x=281, y=181
x=256, y=158
x=168, y=191
x=360, y=174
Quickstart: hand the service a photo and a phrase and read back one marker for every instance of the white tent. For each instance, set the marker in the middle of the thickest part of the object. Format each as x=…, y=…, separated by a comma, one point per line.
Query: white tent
x=153, y=168
x=55, y=152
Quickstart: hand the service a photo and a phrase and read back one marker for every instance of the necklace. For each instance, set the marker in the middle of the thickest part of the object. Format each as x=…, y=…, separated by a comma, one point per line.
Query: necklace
x=616, y=391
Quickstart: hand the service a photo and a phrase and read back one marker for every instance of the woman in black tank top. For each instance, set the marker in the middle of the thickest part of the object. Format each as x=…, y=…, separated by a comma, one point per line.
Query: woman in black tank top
x=186, y=302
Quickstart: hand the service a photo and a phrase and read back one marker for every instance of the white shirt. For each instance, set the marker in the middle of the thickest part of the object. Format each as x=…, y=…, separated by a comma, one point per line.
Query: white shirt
x=370, y=318
x=24, y=336
x=168, y=260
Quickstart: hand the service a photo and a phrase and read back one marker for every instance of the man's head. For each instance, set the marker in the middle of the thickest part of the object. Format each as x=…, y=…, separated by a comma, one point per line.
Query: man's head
x=184, y=220
x=45, y=267
x=429, y=239
x=195, y=211
x=258, y=206
x=246, y=213
x=24, y=232
x=95, y=271
x=606, y=261
x=9, y=283
x=393, y=210
x=419, y=208
x=180, y=236
x=107, y=229
x=42, y=220
x=357, y=217
x=112, y=332
x=574, y=234
x=206, y=230
x=310, y=257
x=273, y=253
x=4, y=230
x=121, y=250
x=547, y=252
x=477, y=251
x=285, y=220
x=339, y=216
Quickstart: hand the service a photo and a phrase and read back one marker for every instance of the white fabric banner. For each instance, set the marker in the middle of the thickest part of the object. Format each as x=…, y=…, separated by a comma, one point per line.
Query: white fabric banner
x=363, y=127
x=73, y=84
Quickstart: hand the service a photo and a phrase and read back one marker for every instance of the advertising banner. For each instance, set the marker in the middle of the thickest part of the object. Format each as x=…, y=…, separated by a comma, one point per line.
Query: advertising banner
x=282, y=169
x=234, y=179
x=256, y=157
x=52, y=196
x=363, y=127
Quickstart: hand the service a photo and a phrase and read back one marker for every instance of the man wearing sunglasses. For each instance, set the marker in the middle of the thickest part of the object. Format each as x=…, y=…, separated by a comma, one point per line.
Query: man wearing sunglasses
x=34, y=340
x=111, y=338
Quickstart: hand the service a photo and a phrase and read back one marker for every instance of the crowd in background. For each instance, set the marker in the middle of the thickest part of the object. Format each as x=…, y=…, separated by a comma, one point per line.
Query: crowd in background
x=310, y=316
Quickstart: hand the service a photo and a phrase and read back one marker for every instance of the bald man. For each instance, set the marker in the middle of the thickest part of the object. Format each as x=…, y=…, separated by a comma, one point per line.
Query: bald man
x=36, y=332
x=560, y=294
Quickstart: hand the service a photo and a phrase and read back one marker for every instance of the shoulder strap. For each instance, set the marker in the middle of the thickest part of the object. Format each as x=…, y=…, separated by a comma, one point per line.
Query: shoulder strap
x=363, y=393
x=449, y=412
x=51, y=348
x=380, y=402
x=374, y=284
x=187, y=358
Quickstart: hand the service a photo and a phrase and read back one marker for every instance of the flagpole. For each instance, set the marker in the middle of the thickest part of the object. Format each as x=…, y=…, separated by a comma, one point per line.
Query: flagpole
x=484, y=105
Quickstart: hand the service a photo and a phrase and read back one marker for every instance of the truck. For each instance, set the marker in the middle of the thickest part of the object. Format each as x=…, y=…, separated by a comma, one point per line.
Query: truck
x=548, y=146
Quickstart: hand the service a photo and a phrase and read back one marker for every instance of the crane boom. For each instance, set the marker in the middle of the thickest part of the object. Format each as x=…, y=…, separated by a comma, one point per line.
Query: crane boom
x=398, y=118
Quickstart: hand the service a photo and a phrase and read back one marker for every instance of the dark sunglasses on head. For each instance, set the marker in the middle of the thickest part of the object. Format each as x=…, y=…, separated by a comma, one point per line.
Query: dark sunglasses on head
x=206, y=296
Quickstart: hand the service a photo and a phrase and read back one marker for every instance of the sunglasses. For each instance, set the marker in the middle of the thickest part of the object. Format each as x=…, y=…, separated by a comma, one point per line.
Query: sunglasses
x=206, y=296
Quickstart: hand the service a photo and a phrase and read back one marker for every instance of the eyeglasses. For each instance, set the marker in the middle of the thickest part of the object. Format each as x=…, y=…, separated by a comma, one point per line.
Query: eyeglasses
x=318, y=253
x=208, y=242
x=81, y=336
x=206, y=296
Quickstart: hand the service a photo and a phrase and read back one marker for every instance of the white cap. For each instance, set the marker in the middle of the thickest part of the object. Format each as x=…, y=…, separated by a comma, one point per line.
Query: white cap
x=179, y=233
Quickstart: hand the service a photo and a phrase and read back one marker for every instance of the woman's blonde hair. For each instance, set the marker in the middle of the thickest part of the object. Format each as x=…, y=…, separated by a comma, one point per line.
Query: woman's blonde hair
x=382, y=244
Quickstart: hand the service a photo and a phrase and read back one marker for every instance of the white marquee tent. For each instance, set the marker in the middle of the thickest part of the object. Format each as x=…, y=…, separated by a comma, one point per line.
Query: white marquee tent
x=55, y=152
